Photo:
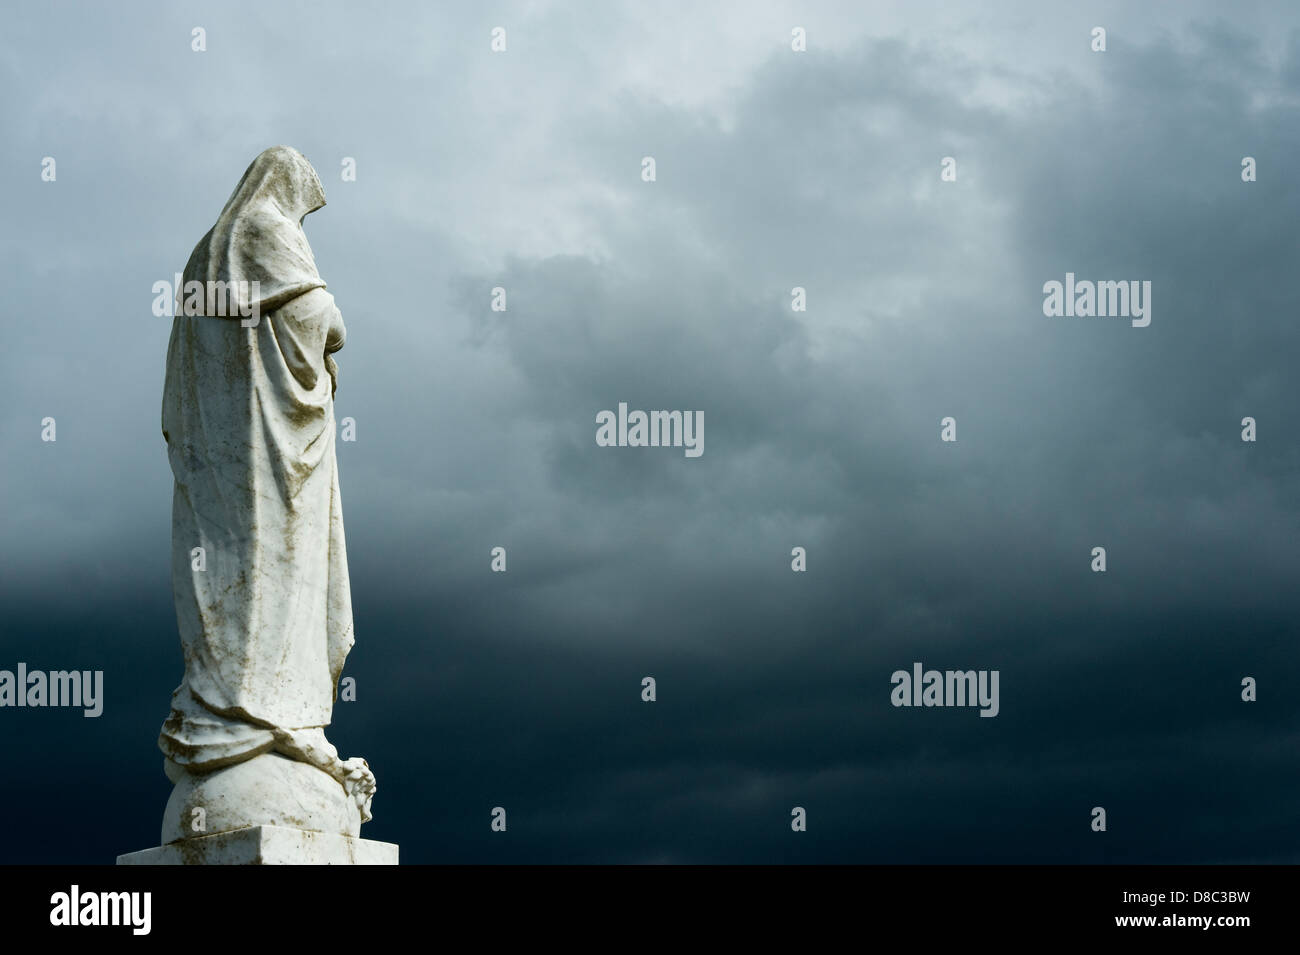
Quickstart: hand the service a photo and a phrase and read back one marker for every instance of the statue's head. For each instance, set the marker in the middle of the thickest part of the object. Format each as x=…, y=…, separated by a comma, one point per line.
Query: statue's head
x=283, y=175
x=257, y=247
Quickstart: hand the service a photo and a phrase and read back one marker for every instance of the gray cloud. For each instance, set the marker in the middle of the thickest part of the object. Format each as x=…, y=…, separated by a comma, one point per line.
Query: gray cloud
x=477, y=428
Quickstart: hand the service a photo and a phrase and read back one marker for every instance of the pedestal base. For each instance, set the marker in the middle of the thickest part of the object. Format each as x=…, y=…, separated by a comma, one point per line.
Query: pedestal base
x=267, y=845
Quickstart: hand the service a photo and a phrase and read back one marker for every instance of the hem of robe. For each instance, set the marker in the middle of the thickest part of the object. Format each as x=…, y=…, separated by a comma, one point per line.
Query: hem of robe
x=199, y=739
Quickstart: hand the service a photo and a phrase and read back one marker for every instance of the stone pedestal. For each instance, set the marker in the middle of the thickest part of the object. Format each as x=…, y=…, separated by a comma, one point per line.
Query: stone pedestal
x=267, y=845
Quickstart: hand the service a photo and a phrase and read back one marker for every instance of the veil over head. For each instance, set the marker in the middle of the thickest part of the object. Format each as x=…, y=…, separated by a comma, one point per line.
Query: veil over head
x=258, y=236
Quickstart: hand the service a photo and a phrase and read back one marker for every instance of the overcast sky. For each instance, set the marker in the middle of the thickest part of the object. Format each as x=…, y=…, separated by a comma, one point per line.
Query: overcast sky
x=475, y=429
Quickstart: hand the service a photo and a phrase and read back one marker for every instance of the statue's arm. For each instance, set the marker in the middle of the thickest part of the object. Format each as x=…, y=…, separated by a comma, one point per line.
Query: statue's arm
x=335, y=336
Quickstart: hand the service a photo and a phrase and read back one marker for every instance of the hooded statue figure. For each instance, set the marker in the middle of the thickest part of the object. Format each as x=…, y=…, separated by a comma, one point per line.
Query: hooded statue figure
x=259, y=571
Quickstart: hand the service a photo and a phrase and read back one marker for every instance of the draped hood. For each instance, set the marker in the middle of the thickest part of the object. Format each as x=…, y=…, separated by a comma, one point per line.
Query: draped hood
x=258, y=238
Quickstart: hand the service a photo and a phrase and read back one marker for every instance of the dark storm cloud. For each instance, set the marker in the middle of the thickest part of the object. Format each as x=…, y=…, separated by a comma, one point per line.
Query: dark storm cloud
x=477, y=429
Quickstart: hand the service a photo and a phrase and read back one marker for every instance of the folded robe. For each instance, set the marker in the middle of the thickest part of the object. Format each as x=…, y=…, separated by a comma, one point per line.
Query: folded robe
x=248, y=415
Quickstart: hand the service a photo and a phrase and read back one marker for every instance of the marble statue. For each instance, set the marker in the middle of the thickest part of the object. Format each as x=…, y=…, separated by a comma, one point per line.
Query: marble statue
x=259, y=570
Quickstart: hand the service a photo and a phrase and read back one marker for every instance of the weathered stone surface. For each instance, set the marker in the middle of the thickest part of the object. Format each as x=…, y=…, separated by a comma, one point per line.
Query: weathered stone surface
x=267, y=845
x=268, y=790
